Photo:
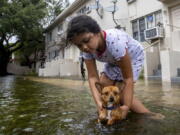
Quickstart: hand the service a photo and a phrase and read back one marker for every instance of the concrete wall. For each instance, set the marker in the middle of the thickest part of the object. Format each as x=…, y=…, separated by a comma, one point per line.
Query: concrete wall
x=174, y=62
x=60, y=67
x=170, y=61
x=176, y=40
x=165, y=62
x=72, y=52
x=17, y=69
x=143, y=7
x=152, y=59
x=69, y=68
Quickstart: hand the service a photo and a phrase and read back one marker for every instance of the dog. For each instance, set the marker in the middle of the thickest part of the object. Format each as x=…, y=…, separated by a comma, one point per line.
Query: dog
x=111, y=111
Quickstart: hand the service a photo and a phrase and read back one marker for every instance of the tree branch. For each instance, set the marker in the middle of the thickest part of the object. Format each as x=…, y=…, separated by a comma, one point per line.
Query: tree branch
x=2, y=38
x=17, y=48
x=7, y=41
x=14, y=44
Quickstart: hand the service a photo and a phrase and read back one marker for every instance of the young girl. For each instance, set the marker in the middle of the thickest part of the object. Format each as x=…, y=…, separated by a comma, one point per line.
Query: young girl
x=123, y=57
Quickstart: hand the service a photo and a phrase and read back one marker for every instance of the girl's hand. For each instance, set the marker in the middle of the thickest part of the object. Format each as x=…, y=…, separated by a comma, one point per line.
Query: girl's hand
x=125, y=110
x=100, y=107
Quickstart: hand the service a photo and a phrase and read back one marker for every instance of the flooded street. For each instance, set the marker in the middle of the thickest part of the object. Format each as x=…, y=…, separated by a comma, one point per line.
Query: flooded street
x=41, y=106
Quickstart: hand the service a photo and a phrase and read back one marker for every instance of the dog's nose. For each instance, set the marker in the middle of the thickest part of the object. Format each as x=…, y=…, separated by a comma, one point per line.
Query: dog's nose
x=111, y=99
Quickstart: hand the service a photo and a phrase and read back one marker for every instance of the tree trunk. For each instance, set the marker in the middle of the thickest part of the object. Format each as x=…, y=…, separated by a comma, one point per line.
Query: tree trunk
x=4, y=59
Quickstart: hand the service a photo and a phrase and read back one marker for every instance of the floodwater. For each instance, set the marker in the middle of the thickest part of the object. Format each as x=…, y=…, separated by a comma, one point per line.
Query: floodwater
x=42, y=106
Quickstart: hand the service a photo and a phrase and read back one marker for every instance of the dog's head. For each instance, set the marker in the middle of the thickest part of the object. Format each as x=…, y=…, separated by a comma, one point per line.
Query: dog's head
x=109, y=94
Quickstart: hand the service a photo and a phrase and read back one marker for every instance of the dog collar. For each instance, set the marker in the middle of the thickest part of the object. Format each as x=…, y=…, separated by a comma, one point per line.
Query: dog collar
x=110, y=108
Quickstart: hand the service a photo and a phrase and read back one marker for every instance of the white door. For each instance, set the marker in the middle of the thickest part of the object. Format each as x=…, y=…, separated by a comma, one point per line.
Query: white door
x=175, y=14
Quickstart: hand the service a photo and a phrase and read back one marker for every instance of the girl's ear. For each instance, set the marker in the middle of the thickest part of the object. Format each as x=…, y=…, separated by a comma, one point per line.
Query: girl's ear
x=99, y=86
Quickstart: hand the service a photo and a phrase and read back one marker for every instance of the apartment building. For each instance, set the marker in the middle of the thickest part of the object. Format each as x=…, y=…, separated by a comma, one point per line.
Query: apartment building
x=154, y=23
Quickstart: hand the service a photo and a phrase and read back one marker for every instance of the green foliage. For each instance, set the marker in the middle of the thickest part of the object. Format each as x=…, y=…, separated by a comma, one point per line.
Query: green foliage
x=20, y=19
x=141, y=76
x=32, y=73
x=24, y=19
x=54, y=8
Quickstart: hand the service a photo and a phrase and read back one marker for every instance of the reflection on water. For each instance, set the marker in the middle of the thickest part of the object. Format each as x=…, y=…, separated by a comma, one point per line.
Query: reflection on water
x=164, y=94
x=65, y=107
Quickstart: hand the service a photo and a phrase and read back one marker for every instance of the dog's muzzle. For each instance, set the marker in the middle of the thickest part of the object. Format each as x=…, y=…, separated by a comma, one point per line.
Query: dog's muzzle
x=111, y=99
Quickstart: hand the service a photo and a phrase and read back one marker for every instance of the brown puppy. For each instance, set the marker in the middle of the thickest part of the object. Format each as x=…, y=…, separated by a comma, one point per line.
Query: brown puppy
x=110, y=96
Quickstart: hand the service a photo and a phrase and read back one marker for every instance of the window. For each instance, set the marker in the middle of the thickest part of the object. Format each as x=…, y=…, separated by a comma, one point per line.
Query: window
x=53, y=54
x=84, y=10
x=150, y=21
x=158, y=18
x=138, y=27
x=135, y=30
x=63, y=53
x=49, y=56
x=49, y=36
x=146, y=22
x=142, y=27
x=56, y=53
x=60, y=27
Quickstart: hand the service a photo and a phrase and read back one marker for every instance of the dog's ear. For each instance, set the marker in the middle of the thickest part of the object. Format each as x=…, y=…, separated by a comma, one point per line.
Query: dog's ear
x=99, y=86
x=120, y=85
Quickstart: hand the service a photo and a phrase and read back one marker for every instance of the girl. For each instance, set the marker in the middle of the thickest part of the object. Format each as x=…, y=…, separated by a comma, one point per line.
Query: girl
x=123, y=57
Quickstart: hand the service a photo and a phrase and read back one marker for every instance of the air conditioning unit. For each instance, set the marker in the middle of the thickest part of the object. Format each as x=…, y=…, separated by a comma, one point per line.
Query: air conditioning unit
x=153, y=33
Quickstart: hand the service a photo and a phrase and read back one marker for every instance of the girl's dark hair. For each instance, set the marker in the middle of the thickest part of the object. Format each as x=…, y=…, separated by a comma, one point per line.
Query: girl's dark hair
x=81, y=24
x=82, y=69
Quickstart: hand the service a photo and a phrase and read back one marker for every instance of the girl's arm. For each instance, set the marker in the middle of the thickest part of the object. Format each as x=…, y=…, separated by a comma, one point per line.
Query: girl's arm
x=92, y=78
x=126, y=68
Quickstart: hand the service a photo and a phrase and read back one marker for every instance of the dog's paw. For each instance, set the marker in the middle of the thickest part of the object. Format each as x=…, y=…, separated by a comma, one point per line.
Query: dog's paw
x=102, y=116
x=110, y=122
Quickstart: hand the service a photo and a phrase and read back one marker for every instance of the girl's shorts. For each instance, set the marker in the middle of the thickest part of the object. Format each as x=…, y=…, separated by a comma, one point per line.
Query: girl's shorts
x=113, y=72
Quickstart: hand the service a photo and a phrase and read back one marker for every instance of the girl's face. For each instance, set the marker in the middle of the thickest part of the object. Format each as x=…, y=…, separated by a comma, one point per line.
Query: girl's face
x=87, y=42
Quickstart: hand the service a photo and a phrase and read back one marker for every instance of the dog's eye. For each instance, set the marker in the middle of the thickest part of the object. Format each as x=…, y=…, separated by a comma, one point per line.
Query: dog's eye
x=106, y=93
x=116, y=93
